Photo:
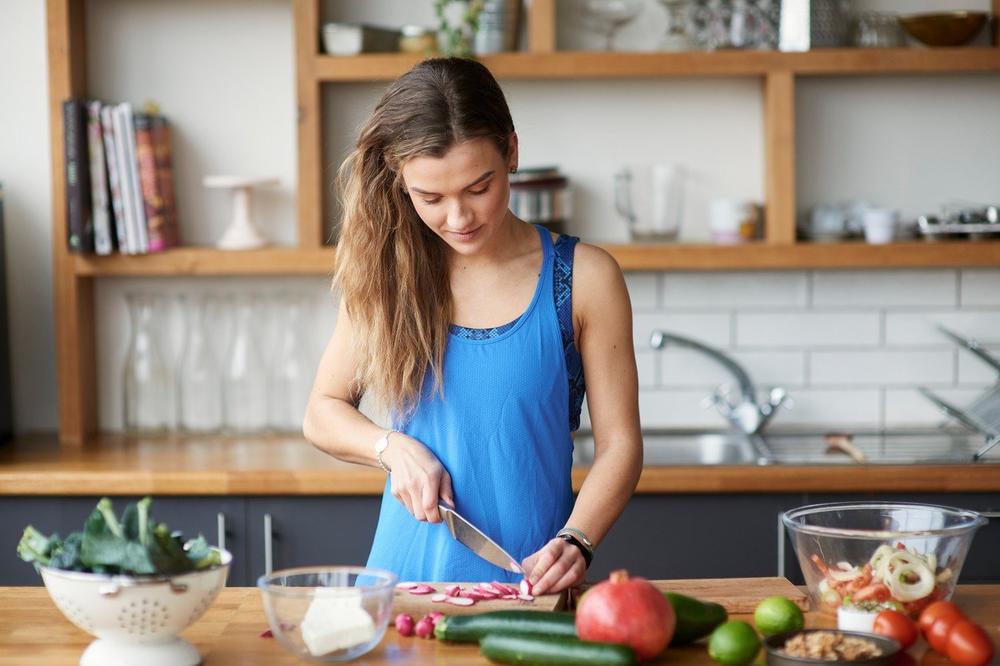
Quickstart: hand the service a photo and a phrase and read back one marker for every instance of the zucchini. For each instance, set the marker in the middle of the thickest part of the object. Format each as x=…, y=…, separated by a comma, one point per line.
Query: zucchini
x=470, y=628
x=553, y=651
x=695, y=618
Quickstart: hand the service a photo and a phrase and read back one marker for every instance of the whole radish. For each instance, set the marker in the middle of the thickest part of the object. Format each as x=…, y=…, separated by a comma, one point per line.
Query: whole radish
x=404, y=624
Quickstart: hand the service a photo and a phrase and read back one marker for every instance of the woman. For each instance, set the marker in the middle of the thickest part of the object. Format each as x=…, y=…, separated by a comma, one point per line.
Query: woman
x=473, y=330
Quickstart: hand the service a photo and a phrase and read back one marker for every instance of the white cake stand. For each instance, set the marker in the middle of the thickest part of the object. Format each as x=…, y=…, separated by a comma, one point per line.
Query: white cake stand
x=241, y=234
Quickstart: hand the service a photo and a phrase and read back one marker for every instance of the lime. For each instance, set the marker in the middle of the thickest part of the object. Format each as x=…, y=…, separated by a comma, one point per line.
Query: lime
x=733, y=643
x=776, y=615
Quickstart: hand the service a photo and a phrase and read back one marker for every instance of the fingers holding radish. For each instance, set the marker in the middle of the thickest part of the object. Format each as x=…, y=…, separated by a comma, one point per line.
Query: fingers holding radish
x=559, y=565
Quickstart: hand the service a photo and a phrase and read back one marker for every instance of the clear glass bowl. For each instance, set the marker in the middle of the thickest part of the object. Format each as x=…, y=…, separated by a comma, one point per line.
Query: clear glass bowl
x=328, y=614
x=869, y=552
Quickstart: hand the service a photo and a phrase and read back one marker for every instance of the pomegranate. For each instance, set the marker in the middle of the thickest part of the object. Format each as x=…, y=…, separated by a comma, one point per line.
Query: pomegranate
x=629, y=611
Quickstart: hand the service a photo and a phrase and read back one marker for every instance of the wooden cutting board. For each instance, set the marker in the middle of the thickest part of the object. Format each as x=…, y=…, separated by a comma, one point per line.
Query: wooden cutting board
x=737, y=595
x=418, y=605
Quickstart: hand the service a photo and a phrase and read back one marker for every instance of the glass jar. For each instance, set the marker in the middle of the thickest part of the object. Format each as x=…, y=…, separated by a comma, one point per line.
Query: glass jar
x=244, y=384
x=291, y=371
x=199, y=381
x=146, y=385
x=417, y=39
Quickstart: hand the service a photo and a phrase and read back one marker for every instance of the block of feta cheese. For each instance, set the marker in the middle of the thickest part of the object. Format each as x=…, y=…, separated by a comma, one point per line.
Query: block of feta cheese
x=336, y=620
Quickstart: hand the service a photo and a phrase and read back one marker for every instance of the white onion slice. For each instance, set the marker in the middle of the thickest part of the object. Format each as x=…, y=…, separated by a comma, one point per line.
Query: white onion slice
x=904, y=591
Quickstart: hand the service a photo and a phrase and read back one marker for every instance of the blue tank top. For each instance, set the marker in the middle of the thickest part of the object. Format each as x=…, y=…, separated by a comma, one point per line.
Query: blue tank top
x=502, y=430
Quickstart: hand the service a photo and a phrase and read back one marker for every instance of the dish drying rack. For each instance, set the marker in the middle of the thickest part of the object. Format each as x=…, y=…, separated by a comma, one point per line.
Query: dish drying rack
x=983, y=414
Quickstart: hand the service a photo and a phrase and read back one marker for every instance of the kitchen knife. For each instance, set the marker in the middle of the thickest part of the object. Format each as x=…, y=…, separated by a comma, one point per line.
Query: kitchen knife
x=473, y=538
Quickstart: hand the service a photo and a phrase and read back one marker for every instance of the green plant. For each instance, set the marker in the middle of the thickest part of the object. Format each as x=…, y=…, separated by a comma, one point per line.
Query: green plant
x=458, y=35
x=134, y=545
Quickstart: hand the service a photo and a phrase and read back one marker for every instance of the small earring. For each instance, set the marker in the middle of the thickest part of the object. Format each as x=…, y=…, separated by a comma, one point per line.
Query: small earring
x=513, y=169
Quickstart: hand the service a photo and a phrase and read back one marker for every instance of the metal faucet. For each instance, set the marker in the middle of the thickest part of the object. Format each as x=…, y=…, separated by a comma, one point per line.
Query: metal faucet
x=745, y=414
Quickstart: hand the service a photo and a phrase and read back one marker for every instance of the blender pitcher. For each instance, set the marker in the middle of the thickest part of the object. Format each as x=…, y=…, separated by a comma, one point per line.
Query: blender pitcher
x=651, y=200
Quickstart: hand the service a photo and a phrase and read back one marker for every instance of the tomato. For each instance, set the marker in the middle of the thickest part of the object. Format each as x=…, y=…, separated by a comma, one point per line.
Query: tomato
x=897, y=626
x=941, y=630
x=936, y=610
x=969, y=645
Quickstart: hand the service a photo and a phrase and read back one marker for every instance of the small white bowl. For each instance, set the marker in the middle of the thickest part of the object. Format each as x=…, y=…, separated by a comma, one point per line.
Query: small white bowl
x=880, y=225
x=856, y=619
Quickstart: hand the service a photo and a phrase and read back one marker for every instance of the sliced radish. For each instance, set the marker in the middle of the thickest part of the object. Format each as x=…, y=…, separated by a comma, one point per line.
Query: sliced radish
x=525, y=597
x=436, y=598
x=422, y=589
x=505, y=589
x=460, y=601
x=453, y=591
x=406, y=585
x=525, y=587
x=509, y=596
x=489, y=587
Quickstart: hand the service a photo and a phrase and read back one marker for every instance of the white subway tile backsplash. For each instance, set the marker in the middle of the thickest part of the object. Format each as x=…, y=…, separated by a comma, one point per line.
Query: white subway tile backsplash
x=884, y=288
x=881, y=368
x=677, y=409
x=918, y=328
x=972, y=371
x=981, y=286
x=642, y=290
x=734, y=290
x=646, y=365
x=832, y=407
x=807, y=329
x=907, y=407
x=710, y=328
x=686, y=368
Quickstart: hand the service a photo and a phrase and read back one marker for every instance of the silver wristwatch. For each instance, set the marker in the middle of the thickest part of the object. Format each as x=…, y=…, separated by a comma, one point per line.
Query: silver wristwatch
x=381, y=444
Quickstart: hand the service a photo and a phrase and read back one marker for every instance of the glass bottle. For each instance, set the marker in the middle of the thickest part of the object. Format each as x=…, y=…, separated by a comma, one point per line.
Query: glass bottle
x=244, y=388
x=199, y=382
x=291, y=370
x=146, y=395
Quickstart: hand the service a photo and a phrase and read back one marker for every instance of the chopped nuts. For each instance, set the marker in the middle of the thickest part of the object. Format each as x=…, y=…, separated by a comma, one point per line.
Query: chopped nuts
x=830, y=646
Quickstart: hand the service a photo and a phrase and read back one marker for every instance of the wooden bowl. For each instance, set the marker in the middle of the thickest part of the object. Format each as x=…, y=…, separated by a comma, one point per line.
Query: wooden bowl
x=944, y=28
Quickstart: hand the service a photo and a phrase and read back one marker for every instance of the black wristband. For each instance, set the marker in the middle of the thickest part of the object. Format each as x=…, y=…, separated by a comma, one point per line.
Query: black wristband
x=587, y=555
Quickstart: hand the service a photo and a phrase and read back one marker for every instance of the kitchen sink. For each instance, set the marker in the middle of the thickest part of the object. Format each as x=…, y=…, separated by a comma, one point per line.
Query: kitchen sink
x=799, y=447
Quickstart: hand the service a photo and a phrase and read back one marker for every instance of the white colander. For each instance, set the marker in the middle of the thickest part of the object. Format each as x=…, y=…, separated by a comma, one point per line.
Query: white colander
x=136, y=620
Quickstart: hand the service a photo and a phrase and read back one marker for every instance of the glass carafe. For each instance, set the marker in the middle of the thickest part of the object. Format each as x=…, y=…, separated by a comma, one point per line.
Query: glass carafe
x=199, y=381
x=146, y=386
x=244, y=386
x=291, y=370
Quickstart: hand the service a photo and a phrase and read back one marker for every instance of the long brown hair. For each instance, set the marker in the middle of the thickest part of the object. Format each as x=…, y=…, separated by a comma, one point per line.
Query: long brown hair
x=391, y=269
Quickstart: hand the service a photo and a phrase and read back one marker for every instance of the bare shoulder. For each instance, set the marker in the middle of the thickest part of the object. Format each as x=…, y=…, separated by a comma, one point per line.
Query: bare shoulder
x=598, y=283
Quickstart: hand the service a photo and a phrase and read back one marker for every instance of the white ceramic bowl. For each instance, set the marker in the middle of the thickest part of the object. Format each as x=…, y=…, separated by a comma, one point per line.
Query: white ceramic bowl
x=136, y=619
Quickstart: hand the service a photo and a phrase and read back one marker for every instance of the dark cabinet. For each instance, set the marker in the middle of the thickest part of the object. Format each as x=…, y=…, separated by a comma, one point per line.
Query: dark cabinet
x=305, y=531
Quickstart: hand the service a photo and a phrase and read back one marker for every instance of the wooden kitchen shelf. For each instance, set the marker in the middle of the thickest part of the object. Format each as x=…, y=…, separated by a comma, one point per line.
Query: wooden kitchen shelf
x=74, y=275
x=595, y=64
x=634, y=257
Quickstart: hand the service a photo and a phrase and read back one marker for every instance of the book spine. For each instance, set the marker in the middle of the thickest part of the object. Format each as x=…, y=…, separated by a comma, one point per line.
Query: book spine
x=98, y=181
x=135, y=189
x=165, y=178
x=128, y=210
x=152, y=201
x=114, y=179
x=80, y=230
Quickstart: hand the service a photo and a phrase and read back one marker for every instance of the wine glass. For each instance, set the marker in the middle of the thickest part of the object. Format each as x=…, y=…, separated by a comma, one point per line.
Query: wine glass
x=609, y=16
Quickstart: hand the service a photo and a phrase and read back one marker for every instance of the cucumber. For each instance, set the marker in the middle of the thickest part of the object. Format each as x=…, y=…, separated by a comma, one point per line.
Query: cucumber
x=470, y=628
x=553, y=651
x=695, y=618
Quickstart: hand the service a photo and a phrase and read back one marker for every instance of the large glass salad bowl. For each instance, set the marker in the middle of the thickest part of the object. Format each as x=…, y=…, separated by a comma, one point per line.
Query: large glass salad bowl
x=873, y=555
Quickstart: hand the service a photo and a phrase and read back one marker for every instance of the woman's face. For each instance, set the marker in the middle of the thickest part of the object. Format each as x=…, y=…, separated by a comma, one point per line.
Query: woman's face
x=462, y=196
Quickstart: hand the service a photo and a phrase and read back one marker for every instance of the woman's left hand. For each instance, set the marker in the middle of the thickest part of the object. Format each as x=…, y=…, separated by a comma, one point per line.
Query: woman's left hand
x=557, y=566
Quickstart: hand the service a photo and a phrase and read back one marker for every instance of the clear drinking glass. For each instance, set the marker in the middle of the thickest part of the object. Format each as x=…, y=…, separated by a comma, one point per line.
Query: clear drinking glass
x=291, y=369
x=651, y=201
x=146, y=396
x=608, y=17
x=244, y=386
x=199, y=382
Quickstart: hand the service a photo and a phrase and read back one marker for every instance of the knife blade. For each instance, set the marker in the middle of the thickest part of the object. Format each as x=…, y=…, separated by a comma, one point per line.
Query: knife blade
x=475, y=540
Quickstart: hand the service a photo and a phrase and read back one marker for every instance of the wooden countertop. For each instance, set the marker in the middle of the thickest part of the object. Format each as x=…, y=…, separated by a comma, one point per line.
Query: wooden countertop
x=174, y=465
x=34, y=632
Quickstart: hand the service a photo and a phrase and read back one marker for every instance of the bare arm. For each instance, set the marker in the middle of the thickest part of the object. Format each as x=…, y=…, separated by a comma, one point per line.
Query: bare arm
x=334, y=425
x=603, y=313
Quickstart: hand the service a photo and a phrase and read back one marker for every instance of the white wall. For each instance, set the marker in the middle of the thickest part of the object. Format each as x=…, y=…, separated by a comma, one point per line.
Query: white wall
x=223, y=71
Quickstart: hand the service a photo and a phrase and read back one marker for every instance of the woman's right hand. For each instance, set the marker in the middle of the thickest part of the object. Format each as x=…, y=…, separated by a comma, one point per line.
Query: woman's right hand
x=418, y=478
